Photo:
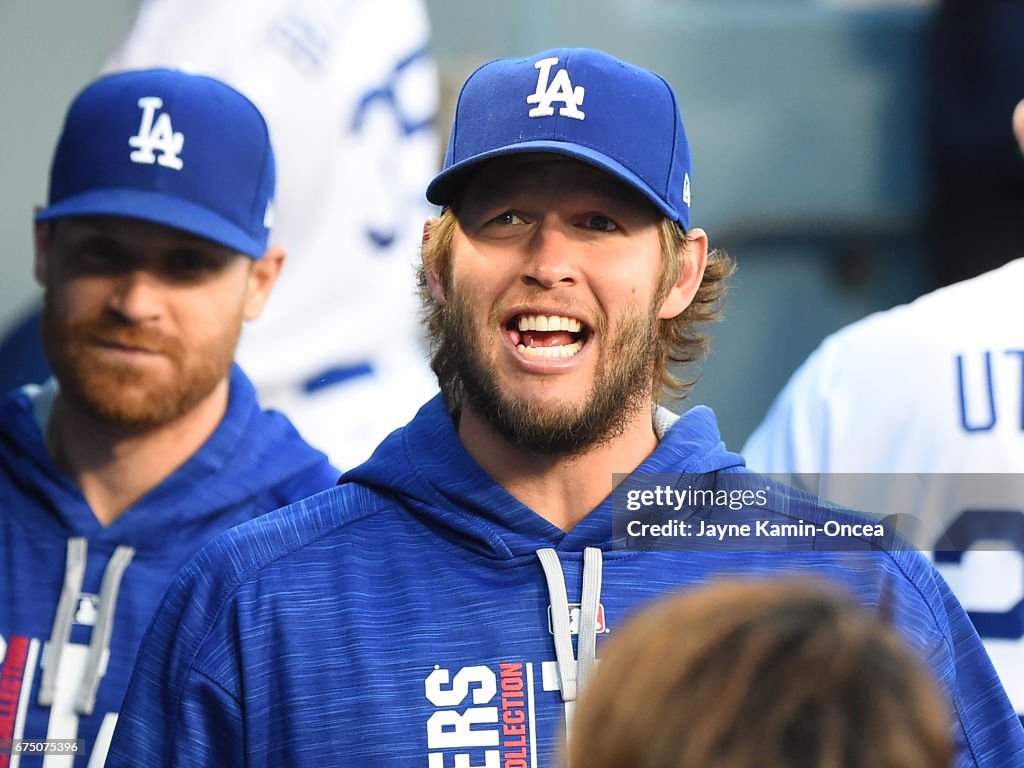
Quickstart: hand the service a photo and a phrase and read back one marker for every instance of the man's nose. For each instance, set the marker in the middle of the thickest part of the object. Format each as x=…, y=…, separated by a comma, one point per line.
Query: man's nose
x=551, y=258
x=137, y=296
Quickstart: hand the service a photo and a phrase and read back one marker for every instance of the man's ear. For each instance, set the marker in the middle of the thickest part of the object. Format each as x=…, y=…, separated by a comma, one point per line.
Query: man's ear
x=693, y=260
x=434, y=284
x=263, y=273
x=43, y=239
x=1018, y=124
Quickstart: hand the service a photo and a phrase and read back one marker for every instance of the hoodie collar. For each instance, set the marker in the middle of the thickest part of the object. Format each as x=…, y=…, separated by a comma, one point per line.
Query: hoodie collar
x=219, y=476
x=426, y=468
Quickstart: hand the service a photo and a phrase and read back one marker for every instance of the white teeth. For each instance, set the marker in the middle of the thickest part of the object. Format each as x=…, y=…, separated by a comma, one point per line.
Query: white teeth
x=569, y=350
x=549, y=323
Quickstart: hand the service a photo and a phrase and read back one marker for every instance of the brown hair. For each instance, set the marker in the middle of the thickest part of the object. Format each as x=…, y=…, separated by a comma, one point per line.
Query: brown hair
x=680, y=339
x=760, y=674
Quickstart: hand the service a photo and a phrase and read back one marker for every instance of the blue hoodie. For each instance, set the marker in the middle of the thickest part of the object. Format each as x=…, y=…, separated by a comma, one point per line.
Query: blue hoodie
x=419, y=615
x=80, y=595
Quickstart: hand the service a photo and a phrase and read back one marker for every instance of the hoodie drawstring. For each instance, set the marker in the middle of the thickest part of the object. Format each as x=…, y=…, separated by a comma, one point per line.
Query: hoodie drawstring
x=99, y=643
x=590, y=598
x=74, y=572
x=573, y=672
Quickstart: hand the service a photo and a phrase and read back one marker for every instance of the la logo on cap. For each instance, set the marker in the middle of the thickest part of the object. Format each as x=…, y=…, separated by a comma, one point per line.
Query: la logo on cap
x=559, y=89
x=156, y=135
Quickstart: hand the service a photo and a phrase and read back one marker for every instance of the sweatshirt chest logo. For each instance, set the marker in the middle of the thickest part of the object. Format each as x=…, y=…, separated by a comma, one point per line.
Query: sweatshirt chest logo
x=601, y=627
x=486, y=714
x=88, y=609
x=479, y=709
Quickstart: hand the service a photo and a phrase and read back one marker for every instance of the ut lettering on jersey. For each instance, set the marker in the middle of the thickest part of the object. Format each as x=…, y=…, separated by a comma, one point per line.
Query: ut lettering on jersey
x=990, y=384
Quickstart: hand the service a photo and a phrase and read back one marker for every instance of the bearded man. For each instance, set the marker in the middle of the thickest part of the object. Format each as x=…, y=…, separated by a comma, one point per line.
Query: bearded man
x=148, y=441
x=424, y=611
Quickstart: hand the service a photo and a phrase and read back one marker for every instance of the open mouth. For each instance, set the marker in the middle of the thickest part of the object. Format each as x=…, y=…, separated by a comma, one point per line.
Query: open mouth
x=550, y=336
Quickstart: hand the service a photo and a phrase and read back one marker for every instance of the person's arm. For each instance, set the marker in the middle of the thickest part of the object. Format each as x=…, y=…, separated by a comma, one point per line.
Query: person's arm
x=181, y=708
x=988, y=731
x=793, y=437
x=991, y=728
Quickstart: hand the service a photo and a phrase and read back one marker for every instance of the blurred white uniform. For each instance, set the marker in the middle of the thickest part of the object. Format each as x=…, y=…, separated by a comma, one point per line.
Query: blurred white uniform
x=350, y=93
x=934, y=390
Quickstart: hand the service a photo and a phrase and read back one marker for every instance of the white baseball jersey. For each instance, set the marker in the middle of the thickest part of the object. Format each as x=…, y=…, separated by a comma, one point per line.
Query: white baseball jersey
x=350, y=94
x=932, y=395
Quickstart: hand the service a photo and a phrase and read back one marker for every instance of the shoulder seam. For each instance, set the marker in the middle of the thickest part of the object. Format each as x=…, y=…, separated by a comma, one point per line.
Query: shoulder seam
x=242, y=576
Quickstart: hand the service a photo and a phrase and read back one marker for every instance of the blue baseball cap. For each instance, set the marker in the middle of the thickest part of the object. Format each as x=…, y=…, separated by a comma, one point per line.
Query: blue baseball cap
x=577, y=102
x=169, y=147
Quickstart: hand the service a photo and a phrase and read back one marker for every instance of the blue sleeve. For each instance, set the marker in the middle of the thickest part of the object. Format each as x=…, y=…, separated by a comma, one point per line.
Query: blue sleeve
x=991, y=730
x=174, y=715
x=987, y=732
x=209, y=726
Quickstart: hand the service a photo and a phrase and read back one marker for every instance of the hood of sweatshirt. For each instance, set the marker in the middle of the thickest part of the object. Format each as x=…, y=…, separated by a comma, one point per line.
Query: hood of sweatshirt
x=86, y=592
x=425, y=467
x=253, y=456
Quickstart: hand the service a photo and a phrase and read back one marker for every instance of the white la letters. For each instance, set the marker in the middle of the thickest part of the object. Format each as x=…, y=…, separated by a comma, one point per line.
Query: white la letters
x=156, y=134
x=559, y=89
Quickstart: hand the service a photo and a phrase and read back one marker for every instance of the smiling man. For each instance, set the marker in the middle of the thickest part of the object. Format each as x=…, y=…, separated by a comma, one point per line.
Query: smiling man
x=444, y=605
x=547, y=297
x=151, y=253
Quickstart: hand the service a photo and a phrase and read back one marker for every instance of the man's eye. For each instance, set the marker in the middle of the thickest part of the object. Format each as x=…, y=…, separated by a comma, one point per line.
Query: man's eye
x=190, y=264
x=508, y=217
x=96, y=254
x=96, y=258
x=601, y=223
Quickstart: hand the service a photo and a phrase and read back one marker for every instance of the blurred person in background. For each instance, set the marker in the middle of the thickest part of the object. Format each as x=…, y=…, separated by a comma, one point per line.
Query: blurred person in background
x=767, y=673
x=152, y=253
x=350, y=92
x=924, y=402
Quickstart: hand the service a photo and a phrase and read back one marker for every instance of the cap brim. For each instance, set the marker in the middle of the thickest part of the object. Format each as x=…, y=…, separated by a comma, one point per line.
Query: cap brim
x=444, y=188
x=158, y=208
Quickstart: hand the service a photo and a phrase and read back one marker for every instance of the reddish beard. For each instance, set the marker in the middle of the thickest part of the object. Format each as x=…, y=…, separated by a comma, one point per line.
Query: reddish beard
x=122, y=394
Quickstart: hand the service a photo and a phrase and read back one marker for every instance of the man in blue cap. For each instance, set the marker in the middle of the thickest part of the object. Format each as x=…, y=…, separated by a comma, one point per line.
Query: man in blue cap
x=148, y=441
x=444, y=605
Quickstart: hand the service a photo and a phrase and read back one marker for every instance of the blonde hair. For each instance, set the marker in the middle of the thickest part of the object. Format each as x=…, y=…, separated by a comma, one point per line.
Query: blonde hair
x=682, y=339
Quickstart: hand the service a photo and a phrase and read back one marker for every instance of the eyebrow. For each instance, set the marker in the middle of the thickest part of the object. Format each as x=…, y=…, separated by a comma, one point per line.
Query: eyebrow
x=98, y=229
